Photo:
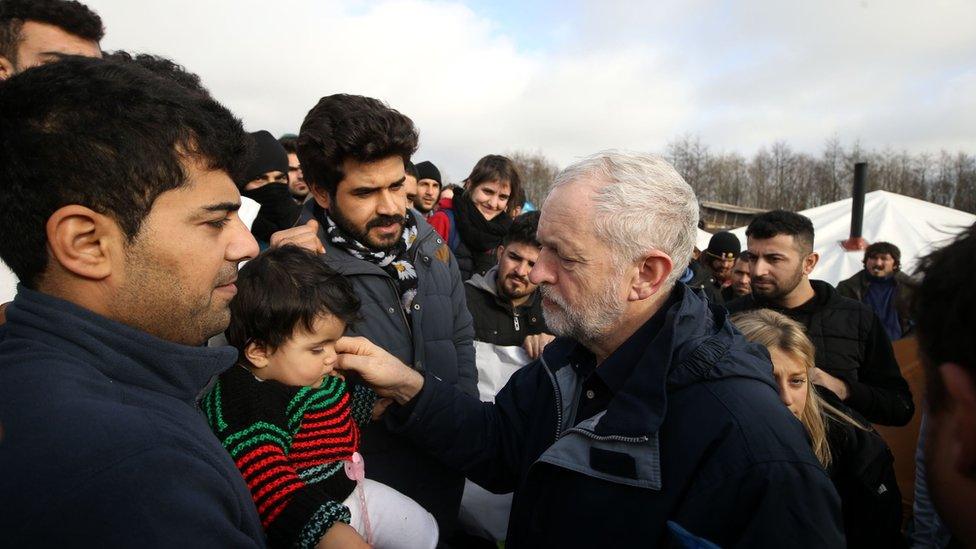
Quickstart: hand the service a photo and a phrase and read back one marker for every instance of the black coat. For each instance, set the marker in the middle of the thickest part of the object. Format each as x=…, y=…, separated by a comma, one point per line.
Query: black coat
x=862, y=470
x=697, y=438
x=851, y=345
x=495, y=320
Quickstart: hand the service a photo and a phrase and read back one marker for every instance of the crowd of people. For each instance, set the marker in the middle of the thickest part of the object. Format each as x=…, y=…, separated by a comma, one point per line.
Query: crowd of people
x=326, y=393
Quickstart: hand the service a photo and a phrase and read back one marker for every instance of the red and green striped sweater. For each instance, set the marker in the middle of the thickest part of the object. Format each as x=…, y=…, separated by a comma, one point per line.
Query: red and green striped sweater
x=289, y=444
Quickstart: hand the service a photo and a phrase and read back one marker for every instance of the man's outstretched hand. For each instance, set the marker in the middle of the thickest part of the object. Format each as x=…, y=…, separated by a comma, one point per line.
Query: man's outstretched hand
x=379, y=369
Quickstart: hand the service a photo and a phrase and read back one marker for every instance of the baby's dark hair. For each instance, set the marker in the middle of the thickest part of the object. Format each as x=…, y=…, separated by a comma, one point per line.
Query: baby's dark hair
x=283, y=289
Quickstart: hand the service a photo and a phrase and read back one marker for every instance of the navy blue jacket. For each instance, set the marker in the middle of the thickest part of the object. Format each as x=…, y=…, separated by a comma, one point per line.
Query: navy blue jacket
x=696, y=436
x=102, y=443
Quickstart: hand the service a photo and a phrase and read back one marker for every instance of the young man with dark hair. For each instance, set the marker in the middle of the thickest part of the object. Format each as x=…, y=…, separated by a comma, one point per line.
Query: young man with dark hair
x=353, y=151
x=504, y=303
x=119, y=216
x=855, y=360
x=882, y=286
x=944, y=307
x=428, y=188
x=35, y=32
x=296, y=178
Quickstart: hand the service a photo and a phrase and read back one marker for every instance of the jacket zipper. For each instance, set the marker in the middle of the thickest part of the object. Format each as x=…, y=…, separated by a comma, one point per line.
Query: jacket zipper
x=515, y=318
x=603, y=438
x=559, y=399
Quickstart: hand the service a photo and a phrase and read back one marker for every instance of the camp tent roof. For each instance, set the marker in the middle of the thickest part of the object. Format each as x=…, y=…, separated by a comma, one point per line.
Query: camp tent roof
x=914, y=225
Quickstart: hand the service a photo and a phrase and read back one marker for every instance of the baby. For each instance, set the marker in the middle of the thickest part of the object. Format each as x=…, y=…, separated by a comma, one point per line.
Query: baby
x=291, y=424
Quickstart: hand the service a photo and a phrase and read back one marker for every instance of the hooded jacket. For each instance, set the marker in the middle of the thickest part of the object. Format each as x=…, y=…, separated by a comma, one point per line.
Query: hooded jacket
x=851, y=345
x=436, y=339
x=495, y=320
x=103, y=444
x=696, y=441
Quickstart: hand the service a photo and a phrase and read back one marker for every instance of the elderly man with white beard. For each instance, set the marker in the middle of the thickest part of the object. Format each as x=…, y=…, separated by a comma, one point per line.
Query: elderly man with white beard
x=650, y=421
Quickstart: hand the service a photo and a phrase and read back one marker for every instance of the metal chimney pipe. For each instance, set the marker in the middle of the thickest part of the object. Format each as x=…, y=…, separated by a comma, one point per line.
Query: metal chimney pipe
x=857, y=208
x=856, y=241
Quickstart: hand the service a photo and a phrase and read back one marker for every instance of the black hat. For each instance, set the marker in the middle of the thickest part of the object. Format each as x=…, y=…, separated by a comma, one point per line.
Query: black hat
x=269, y=156
x=724, y=245
x=426, y=170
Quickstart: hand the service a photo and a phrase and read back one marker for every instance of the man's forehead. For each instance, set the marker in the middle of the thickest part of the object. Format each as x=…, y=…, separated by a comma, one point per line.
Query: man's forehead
x=781, y=243
x=41, y=38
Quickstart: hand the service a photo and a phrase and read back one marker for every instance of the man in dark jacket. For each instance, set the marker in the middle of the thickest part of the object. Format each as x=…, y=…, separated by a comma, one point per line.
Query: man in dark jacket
x=882, y=286
x=353, y=150
x=504, y=303
x=653, y=420
x=717, y=261
x=854, y=356
x=126, y=244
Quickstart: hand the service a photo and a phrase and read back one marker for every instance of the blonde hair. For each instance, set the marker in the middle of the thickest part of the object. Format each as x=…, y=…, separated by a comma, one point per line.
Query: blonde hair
x=777, y=331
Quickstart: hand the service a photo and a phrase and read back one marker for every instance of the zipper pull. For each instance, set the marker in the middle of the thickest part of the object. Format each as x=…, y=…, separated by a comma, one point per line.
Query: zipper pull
x=515, y=318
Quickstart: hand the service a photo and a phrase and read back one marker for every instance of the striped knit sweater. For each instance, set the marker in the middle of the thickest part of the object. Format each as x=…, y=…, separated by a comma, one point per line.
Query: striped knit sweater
x=289, y=444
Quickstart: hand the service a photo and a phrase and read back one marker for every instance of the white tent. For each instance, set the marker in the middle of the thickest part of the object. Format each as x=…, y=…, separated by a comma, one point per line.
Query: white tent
x=702, y=240
x=8, y=281
x=915, y=226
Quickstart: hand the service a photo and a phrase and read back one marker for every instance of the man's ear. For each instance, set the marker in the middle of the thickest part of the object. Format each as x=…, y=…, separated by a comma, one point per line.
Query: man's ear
x=499, y=253
x=809, y=262
x=84, y=241
x=6, y=68
x=257, y=354
x=960, y=387
x=652, y=271
x=321, y=197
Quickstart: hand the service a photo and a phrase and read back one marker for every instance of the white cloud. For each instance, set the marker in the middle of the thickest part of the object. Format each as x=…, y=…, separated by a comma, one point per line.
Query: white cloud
x=621, y=74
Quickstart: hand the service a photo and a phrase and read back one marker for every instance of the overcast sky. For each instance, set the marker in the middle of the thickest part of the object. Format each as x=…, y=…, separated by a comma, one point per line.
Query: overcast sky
x=569, y=78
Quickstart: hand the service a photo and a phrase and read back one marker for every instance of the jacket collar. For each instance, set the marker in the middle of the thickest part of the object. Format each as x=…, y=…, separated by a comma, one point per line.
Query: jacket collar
x=120, y=352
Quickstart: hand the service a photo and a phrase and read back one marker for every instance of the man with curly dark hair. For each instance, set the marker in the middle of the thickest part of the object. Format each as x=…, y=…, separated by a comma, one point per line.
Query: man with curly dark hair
x=35, y=32
x=353, y=152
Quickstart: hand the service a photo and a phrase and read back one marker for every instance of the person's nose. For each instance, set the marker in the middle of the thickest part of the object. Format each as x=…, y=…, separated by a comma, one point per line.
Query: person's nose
x=523, y=269
x=785, y=397
x=242, y=246
x=390, y=204
x=542, y=271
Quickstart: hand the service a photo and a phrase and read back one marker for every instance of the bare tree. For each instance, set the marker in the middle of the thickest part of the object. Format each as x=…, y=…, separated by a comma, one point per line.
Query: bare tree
x=537, y=173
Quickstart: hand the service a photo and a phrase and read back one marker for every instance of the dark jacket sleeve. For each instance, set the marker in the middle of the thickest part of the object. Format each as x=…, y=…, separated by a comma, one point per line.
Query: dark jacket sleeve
x=483, y=440
x=880, y=393
x=770, y=504
x=463, y=333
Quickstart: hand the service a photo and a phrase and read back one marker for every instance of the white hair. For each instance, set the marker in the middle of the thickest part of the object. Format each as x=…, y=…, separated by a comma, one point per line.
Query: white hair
x=640, y=204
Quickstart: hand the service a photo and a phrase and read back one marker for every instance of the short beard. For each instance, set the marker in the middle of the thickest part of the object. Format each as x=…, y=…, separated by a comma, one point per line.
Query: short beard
x=587, y=323
x=362, y=236
x=778, y=292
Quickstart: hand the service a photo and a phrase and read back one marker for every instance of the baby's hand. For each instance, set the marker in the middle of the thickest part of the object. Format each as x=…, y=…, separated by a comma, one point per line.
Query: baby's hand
x=341, y=536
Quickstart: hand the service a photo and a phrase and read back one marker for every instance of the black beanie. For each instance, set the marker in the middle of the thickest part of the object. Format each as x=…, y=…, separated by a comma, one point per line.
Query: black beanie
x=724, y=245
x=269, y=156
x=426, y=170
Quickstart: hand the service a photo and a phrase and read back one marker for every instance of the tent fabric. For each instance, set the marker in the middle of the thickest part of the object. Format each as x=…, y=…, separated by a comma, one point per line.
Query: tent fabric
x=8, y=281
x=915, y=226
